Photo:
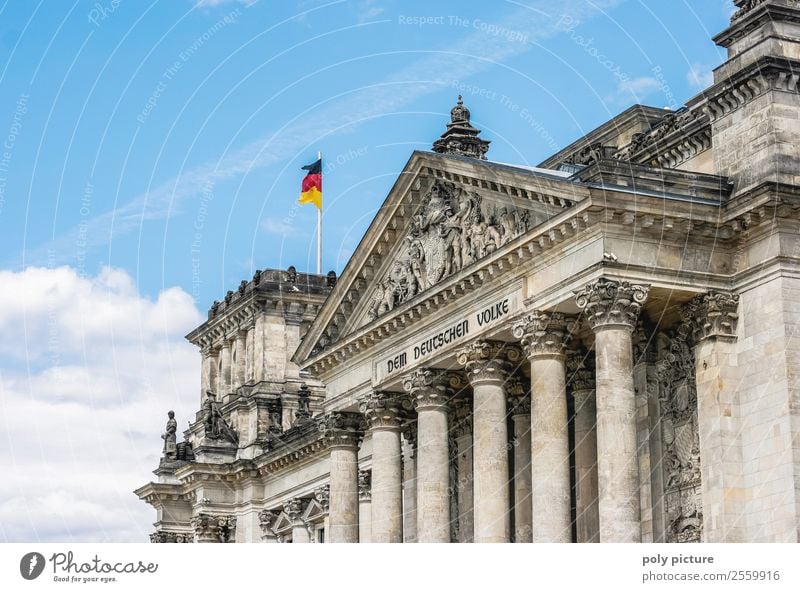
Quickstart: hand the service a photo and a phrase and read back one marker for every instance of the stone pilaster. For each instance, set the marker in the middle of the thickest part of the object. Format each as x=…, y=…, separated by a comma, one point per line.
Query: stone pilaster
x=612, y=309
x=364, y=506
x=430, y=392
x=519, y=405
x=384, y=413
x=410, y=482
x=581, y=379
x=344, y=432
x=224, y=378
x=713, y=318
x=208, y=376
x=323, y=497
x=294, y=509
x=249, y=372
x=462, y=431
x=488, y=365
x=238, y=367
x=543, y=336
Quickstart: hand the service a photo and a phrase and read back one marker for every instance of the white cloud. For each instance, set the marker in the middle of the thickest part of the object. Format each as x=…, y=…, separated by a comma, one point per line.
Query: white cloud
x=276, y=226
x=700, y=76
x=88, y=370
x=634, y=89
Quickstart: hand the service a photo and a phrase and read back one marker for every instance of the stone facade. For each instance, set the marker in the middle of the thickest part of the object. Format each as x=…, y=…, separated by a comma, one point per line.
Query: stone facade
x=603, y=348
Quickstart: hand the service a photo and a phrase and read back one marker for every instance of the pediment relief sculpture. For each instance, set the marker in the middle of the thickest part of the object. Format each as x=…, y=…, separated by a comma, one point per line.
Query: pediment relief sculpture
x=454, y=228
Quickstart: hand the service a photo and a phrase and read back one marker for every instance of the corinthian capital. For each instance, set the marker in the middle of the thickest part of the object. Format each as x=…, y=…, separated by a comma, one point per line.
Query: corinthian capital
x=431, y=388
x=343, y=428
x=365, y=485
x=713, y=315
x=385, y=410
x=294, y=508
x=609, y=303
x=542, y=333
x=488, y=361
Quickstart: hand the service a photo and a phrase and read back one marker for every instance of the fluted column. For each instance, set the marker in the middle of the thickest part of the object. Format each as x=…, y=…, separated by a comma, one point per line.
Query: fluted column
x=519, y=404
x=462, y=428
x=294, y=509
x=384, y=413
x=612, y=309
x=238, y=370
x=581, y=379
x=343, y=431
x=430, y=392
x=410, y=482
x=543, y=336
x=488, y=366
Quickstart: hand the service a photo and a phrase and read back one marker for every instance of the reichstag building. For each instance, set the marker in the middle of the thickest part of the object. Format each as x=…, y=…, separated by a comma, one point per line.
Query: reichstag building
x=602, y=348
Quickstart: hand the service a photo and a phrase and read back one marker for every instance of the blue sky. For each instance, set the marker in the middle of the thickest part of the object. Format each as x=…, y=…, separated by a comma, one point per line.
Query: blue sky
x=151, y=160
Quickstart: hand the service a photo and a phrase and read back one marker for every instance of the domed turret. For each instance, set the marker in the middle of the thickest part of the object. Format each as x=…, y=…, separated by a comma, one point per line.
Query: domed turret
x=460, y=137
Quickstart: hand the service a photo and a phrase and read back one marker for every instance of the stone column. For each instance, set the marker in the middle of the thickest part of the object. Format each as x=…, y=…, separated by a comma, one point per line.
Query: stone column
x=410, y=482
x=430, y=392
x=364, y=507
x=224, y=378
x=612, y=309
x=343, y=432
x=581, y=379
x=384, y=413
x=462, y=428
x=714, y=320
x=519, y=404
x=249, y=373
x=238, y=369
x=206, y=373
x=294, y=509
x=488, y=367
x=543, y=336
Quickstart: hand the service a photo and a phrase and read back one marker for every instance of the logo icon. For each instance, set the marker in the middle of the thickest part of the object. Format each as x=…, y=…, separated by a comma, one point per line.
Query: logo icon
x=31, y=565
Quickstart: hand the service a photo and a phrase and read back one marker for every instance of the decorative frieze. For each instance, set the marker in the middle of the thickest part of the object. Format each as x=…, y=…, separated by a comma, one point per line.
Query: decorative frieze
x=612, y=303
x=343, y=428
x=488, y=360
x=364, y=486
x=713, y=316
x=679, y=428
x=385, y=410
x=543, y=334
x=580, y=366
x=454, y=228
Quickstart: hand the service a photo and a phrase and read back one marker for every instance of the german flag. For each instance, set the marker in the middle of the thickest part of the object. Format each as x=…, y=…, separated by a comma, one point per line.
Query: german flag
x=311, y=191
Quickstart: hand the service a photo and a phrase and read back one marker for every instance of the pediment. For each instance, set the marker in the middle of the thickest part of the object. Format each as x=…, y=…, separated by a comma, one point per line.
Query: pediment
x=445, y=214
x=282, y=524
x=313, y=512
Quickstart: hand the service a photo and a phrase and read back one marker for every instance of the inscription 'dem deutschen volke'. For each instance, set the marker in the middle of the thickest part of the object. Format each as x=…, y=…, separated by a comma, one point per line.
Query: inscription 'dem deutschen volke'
x=449, y=335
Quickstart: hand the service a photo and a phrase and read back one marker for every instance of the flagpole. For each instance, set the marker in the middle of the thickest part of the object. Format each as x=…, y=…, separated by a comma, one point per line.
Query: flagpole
x=319, y=226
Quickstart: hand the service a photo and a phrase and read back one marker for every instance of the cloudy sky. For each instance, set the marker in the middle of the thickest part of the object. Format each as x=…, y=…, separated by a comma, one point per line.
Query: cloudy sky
x=151, y=160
